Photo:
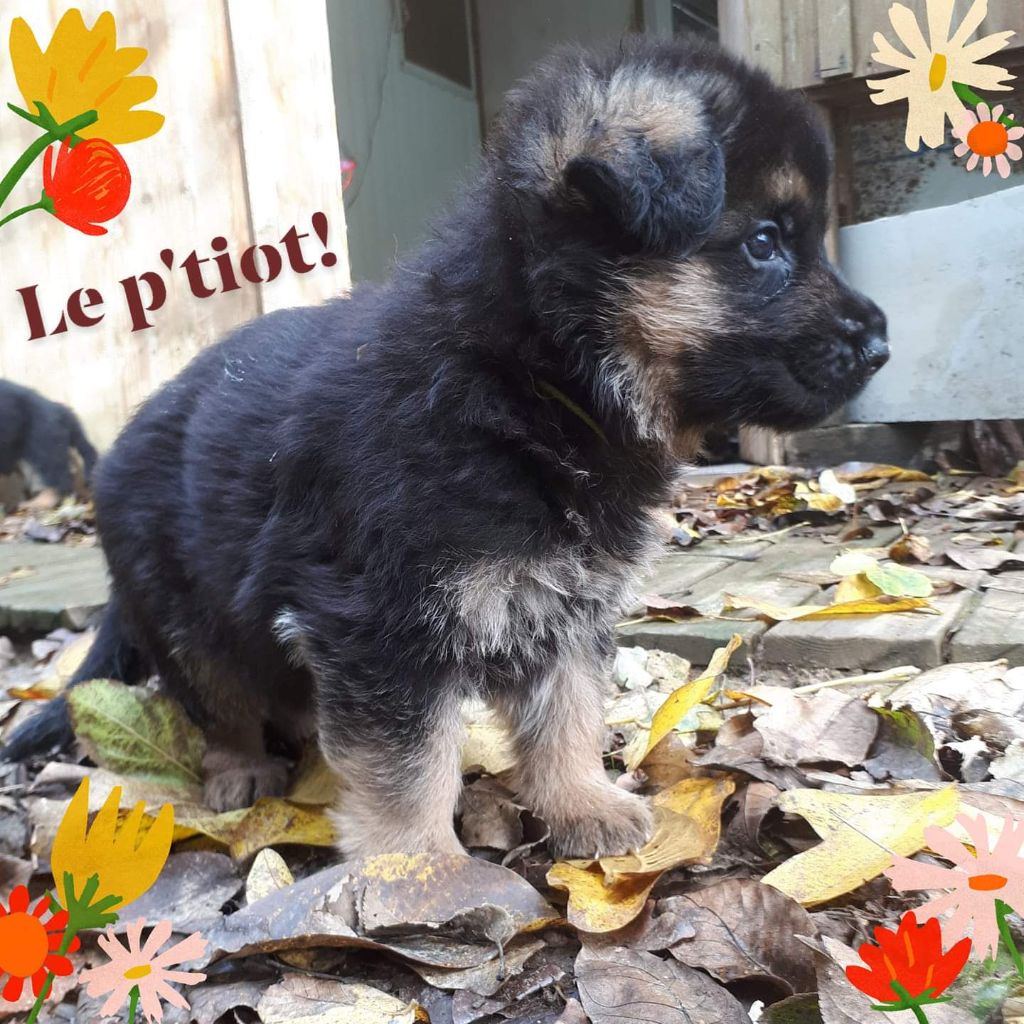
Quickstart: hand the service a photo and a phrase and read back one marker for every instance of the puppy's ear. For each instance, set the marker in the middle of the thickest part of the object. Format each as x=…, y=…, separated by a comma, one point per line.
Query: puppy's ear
x=662, y=201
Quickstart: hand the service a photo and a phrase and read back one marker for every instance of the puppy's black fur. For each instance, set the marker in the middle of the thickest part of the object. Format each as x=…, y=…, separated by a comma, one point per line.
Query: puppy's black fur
x=442, y=487
x=41, y=434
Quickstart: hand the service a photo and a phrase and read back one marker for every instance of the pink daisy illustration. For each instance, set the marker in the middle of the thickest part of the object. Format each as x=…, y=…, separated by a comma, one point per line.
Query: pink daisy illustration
x=988, y=140
x=144, y=968
x=979, y=881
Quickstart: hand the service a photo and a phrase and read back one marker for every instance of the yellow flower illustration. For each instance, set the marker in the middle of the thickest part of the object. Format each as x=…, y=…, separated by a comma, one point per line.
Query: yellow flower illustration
x=82, y=69
x=125, y=865
x=931, y=68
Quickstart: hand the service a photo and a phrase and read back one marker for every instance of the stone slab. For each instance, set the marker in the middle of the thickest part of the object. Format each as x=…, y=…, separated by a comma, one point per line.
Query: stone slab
x=65, y=586
x=697, y=639
x=868, y=642
x=994, y=629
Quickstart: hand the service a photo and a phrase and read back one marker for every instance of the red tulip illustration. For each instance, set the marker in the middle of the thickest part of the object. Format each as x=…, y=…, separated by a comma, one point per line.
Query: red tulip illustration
x=90, y=183
x=907, y=969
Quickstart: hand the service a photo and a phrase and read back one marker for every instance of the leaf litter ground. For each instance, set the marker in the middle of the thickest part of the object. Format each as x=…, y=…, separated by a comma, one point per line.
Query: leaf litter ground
x=780, y=797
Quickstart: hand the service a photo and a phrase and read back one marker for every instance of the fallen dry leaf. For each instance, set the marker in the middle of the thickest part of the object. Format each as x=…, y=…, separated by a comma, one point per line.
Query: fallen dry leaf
x=269, y=874
x=745, y=929
x=860, y=833
x=870, y=606
x=683, y=700
x=63, y=667
x=269, y=822
x=136, y=732
x=448, y=911
x=827, y=726
x=618, y=984
x=607, y=895
x=301, y=999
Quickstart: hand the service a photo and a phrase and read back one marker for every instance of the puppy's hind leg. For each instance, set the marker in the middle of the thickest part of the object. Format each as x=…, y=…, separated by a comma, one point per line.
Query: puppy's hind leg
x=557, y=726
x=399, y=761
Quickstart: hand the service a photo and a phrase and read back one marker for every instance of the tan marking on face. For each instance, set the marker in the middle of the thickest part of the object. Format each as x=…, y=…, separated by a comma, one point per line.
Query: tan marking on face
x=787, y=184
x=598, y=119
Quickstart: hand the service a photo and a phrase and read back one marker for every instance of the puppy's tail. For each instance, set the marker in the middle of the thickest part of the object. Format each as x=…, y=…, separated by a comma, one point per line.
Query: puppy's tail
x=82, y=445
x=112, y=656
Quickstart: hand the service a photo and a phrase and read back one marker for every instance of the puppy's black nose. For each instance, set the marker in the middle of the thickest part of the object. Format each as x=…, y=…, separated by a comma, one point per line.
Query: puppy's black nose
x=874, y=351
x=866, y=333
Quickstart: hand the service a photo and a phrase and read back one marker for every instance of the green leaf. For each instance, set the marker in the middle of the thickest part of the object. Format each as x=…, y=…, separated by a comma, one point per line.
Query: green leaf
x=136, y=732
x=899, y=580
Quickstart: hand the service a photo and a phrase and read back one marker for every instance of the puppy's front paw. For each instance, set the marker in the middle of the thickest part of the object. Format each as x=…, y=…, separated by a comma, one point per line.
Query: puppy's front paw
x=610, y=822
x=233, y=780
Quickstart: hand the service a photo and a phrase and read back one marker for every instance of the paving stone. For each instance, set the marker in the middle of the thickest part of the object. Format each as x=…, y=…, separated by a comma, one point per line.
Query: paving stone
x=868, y=642
x=67, y=586
x=995, y=628
x=697, y=639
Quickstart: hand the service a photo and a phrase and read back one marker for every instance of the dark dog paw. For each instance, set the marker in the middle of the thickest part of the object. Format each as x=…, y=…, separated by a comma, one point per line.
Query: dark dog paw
x=233, y=780
x=611, y=822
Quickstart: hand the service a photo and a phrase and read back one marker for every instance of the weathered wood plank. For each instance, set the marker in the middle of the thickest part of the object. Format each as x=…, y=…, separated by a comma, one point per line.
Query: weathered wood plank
x=835, y=39
x=289, y=138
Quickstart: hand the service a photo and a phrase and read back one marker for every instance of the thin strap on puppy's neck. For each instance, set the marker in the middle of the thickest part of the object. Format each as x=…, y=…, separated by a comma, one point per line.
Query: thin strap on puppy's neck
x=548, y=390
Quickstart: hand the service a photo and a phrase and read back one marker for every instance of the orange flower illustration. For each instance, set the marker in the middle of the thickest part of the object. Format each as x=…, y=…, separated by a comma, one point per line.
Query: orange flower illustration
x=979, y=880
x=85, y=185
x=907, y=969
x=29, y=944
x=139, y=973
x=988, y=139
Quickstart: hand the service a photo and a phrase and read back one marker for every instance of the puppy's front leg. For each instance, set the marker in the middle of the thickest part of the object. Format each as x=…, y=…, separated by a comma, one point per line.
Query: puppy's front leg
x=558, y=730
x=399, y=760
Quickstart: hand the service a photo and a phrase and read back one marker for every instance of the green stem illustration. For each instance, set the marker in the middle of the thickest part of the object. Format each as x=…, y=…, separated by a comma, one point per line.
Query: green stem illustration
x=45, y=203
x=53, y=133
x=133, y=1003
x=967, y=95
x=1003, y=911
x=82, y=914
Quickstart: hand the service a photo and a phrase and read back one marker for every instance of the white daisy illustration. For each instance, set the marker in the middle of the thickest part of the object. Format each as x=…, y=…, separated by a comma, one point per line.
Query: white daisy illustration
x=931, y=68
x=988, y=140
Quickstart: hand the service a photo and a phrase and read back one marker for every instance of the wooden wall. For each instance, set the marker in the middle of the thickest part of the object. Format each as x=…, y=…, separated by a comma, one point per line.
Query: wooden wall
x=805, y=43
x=249, y=148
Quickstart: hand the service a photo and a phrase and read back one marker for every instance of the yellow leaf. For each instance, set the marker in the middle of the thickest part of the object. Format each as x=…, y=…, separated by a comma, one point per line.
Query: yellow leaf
x=861, y=834
x=880, y=473
x=608, y=894
x=487, y=745
x=595, y=906
x=855, y=588
x=687, y=827
x=684, y=699
x=64, y=666
x=807, y=612
x=269, y=822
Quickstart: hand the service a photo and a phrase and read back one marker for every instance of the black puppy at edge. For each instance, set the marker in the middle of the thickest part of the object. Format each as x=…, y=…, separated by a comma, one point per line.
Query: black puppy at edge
x=357, y=515
x=37, y=436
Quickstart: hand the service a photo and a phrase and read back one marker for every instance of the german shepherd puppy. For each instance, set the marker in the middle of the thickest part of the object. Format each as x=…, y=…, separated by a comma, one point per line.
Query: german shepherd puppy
x=37, y=437
x=353, y=517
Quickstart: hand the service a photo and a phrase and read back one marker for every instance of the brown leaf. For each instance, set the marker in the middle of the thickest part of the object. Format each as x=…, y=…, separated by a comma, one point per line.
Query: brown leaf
x=299, y=998
x=911, y=548
x=490, y=816
x=618, y=984
x=987, y=559
x=828, y=726
x=747, y=930
x=449, y=911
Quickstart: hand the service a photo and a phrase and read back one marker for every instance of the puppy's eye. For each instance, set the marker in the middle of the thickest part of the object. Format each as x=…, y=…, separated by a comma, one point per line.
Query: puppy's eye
x=763, y=244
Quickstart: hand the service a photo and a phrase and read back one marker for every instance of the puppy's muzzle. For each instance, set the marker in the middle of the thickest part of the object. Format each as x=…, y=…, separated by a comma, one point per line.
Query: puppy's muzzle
x=863, y=328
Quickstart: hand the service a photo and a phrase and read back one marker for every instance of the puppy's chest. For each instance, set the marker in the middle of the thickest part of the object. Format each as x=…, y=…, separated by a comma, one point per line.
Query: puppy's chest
x=511, y=607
